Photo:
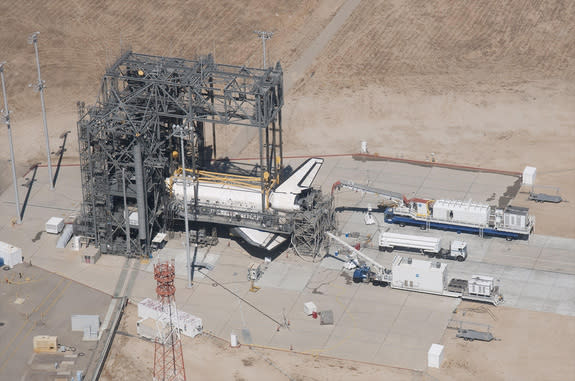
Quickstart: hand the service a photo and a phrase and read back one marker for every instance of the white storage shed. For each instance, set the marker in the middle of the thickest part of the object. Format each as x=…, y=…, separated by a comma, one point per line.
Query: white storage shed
x=12, y=255
x=435, y=356
x=528, y=177
x=55, y=225
x=427, y=276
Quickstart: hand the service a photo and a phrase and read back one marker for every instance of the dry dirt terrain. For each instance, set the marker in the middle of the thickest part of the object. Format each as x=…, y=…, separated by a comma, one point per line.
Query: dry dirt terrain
x=210, y=358
x=78, y=39
x=479, y=83
x=530, y=346
x=482, y=83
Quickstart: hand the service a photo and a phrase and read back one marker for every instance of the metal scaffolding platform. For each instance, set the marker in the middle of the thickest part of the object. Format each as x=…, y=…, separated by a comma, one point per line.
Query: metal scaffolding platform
x=128, y=145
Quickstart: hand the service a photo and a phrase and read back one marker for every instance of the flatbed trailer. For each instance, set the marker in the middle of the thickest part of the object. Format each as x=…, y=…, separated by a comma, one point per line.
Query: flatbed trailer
x=542, y=197
x=392, y=218
x=496, y=298
x=471, y=335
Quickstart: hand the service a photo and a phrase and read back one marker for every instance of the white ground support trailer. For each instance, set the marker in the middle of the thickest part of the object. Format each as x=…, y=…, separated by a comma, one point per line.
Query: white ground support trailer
x=430, y=246
x=410, y=274
x=431, y=278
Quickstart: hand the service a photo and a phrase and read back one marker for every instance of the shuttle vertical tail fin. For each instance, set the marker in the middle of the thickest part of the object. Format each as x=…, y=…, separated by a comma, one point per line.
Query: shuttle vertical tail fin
x=302, y=178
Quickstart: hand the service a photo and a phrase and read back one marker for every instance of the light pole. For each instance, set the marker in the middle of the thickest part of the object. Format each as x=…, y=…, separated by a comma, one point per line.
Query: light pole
x=264, y=36
x=182, y=132
x=33, y=39
x=7, y=121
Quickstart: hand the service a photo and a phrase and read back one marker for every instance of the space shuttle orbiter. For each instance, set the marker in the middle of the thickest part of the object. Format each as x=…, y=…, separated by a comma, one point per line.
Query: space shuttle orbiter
x=288, y=197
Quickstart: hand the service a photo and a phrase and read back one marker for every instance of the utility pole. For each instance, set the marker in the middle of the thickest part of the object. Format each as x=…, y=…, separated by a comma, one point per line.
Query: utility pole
x=181, y=132
x=12, y=161
x=33, y=40
x=264, y=36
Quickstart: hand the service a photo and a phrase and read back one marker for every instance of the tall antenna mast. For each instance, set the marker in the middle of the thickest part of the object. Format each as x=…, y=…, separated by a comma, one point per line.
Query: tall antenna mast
x=168, y=355
x=33, y=40
x=264, y=36
x=12, y=161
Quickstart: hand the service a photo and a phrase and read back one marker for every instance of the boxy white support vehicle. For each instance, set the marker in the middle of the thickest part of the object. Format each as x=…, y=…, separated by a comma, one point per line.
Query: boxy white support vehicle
x=430, y=246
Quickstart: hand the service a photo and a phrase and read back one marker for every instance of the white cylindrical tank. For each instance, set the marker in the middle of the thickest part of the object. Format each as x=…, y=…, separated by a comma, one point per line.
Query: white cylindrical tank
x=363, y=146
x=392, y=240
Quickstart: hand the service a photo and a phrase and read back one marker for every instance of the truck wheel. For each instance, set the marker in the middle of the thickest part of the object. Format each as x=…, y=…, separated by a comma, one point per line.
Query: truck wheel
x=509, y=238
x=402, y=225
x=460, y=259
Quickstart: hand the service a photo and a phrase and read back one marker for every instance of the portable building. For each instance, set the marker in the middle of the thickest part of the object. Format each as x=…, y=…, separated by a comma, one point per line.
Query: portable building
x=435, y=356
x=11, y=255
x=427, y=276
x=55, y=225
x=529, y=174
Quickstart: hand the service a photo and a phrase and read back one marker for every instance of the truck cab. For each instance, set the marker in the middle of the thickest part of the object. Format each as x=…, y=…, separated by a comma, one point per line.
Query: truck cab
x=458, y=250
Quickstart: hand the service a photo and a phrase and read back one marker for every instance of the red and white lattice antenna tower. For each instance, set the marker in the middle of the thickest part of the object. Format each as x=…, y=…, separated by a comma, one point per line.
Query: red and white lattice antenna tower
x=168, y=356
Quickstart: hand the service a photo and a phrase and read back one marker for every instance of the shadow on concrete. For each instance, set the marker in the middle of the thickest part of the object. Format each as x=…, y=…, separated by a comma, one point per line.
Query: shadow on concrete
x=28, y=184
x=60, y=152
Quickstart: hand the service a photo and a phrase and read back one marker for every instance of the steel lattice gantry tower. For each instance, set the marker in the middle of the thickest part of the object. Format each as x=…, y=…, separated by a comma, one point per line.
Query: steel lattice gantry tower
x=127, y=143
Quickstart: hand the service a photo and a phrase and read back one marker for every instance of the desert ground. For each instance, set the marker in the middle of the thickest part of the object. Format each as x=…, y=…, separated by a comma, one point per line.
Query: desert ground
x=481, y=83
x=523, y=350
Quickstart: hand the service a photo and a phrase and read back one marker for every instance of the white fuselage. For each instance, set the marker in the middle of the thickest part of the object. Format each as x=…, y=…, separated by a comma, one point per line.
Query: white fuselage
x=233, y=197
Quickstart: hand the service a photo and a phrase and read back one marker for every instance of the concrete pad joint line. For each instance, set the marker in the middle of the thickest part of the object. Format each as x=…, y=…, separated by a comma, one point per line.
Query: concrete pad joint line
x=422, y=182
x=337, y=321
x=392, y=325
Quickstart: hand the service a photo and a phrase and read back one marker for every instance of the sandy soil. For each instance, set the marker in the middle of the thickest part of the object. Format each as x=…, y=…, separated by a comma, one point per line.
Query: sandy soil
x=532, y=346
x=210, y=358
x=78, y=39
x=476, y=83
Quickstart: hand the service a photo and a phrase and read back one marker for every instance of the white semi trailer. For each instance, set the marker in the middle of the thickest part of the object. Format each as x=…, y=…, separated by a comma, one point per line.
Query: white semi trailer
x=430, y=246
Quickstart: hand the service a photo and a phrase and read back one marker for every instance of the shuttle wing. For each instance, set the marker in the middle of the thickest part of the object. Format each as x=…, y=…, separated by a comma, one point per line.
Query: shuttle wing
x=302, y=177
x=258, y=238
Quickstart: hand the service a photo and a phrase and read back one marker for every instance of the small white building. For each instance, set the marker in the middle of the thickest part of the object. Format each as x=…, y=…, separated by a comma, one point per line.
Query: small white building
x=529, y=174
x=435, y=356
x=55, y=225
x=11, y=255
x=416, y=274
